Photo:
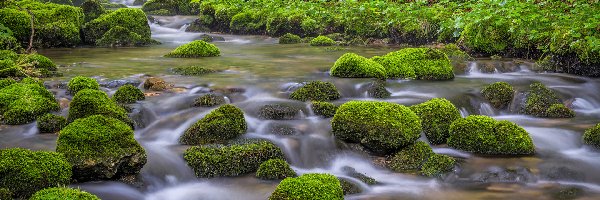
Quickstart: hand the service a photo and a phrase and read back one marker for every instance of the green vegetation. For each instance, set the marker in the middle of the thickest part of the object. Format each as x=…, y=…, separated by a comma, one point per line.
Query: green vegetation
x=499, y=94
x=309, y=187
x=437, y=164
x=122, y=27
x=436, y=116
x=25, y=65
x=230, y=160
x=427, y=63
x=322, y=41
x=5, y=194
x=351, y=65
x=543, y=102
x=278, y=112
x=128, y=94
x=63, y=193
x=381, y=127
x=90, y=102
x=51, y=123
x=222, y=124
x=24, y=171
x=209, y=100
x=274, y=169
x=174, y=7
x=592, y=136
x=6, y=82
x=394, y=67
x=79, y=83
x=92, y=9
x=100, y=148
x=21, y=103
x=484, y=135
x=289, y=38
x=192, y=70
x=323, y=109
x=316, y=91
x=411, y=158
x=194, y=49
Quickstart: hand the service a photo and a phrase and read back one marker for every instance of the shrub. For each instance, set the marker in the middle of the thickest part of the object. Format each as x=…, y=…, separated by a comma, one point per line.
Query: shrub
x=436, y=116
x=51, y=123
x=484, y=135
x=79, y=83
x=289, y=38
x=322, y=41
x=192, y=70
x=90, y=102
x=25, y=171
x=539, y=101
x=351, y=65
x=128, y=94
x=323, y=109
x=428, y=64
x=437, y=164
x=209, y=100
x=411, y=158
x=8, y=55
x=194, y=49
x=100, y=148
x=220, y=125
x=499, y=94
x=21, y=103
x=132, y=23
x=230, y=160
x=316, y=91
x=248, y=22
x=274, y=169
x=309, y=186
x=592, y=136
x=277, y=112
x=379, y=126
x=58, y=193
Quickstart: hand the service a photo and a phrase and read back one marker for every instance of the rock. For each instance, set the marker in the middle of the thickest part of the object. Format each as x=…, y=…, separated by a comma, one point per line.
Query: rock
x=351, y=65
x=499, y=94
x=275, y=169
x=222, y=124
x=316, y=91
x=156, y=84
x=194, y=49
x=436, y=116
x=309, y=186
x=278, y=112
x=79, y=83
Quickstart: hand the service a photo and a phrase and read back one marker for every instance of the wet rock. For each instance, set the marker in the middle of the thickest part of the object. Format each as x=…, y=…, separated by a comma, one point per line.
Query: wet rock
x=282, y=129
x=377, y=89
x=350, y=171
x=141, y=116
x=209, y=100
x=349, y=187
x=119, y=83
x=278, y=112
x=156, y=84
x=519, y=175
x=563, y=173
x=567, y=193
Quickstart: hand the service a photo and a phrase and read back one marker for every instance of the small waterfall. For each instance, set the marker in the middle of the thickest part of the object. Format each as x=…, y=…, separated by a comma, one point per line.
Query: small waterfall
x=464, y=112
x=486, y=109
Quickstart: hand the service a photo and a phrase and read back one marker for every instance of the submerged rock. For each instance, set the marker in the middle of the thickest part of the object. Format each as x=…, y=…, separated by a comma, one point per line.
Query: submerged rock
x=209, y=100
x=289, y=38
x=323, y=109
x=349, y=187
x=592, y=136
x=377, y=89
x=51, y=123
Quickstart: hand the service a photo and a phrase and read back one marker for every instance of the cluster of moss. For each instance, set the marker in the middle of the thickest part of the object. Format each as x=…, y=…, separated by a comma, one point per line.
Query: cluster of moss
x=274, y=169
x=209, y=100
x=7, y=40
x=289, y=38
x=351, y=65
x=484, y=135
x=119, y=36
x=25, y=171
x=377, y=90
x=309, y=186
x=57, y=193
x=322, y=41
x=222, y=124
x=156, y=84
x=92, y=9
x=324, y=109
x=100, y=147
x=51, y=123
x=543, y=102
x=316, y=91
x=21, y=103
x=419, y=157
x=192, y=70
x=381, y=127
x=6, y=82
x=122, y=27
x=436, y=116
x=230, y=160
x=194, y=49
x=90, y=102
x=173, y=7
x=79, y=83
x=418, y=63
x=437, y=164
x=5, y=194
x=128, y=94
x=277, y=112
x=592, y=136
x=499, y=94
x=25, y=65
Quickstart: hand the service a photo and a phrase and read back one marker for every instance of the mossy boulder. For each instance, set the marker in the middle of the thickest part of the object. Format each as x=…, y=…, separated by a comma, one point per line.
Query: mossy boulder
x=394, y=67
x=37, y=61
x=126, y=25
x=195, y=49
x=381, y=127
x=5, y=82
x=411, y=158
x=21, y=103
x=539, y=101
x=101, y=148
x=156, y=84
x=176, y=7
x=323, y=109
x=428, y=64
x=436, y=116
x=90, y=102
x=128, y=94
x=92, y=9
x=25, y=171
x=192, y=70
x=209, y=100
x=8, y=55
x=484, y=135
x=437, y=164
x=559, y=110
x=351, y=65
x=499, y=94
x=222, y=124
x=278, y=112
x=316, y=91
x=51, y=123
x=322, y=41
x=289, y=38
x=592, y=136
x=349, y=187
x=5, y=194
x=79, y=83
x=274, y=169
x=8, y=42
x=57, y=193
x=230, y=160
x=119, y=36
x=377, y=89
x=309, y=186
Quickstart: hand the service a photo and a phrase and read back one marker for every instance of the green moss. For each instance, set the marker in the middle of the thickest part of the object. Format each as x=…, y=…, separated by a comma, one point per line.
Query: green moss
x=175, y=7
x=411, y=158
x=322, y=41
x=592, y=136
x=5, y=194
x=323, y=109
x=484, y=135
x=9, y=68
x=349, y=187
x=8, y=42
x=8, y=55
x=436, y=116
x=248, y=22
x=428, y=64
x=156, y=84
x=132, y=21
x=5, y=82
x=395, y=68
x=209, y=100
x=454, y=52
x=309, y=187
x=274, y=169
x=231, y=160
x=289, y=38
x=541, y=100
x=277, y=112
x=316, y=91
x=62, y=193
x=90, y=102
x=377, y=90
x=381, y=127
x=100, y=148
x=120, y=37
x=38, y=61
x=486, y=35
x=92, y=9
x=79, y=83
x=161, y=12
x=222, y=124
x=194, y=49
x=51, y=123
x=499, y=94
x=351, y=65
x=25, y=171
x=21, y=103
x=437, y=164
x=128, y=94
x=192, y=70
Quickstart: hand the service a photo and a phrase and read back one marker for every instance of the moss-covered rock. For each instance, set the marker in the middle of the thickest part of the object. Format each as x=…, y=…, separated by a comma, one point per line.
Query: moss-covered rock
x=394, y=67
x=128, y=94
x=79, y=83
x=5, y=194
x=323, y=109
x=90, y=102
x=192, y=70
x=428, y=64
x=360, y=176
x=24, y=171
x=592, y=136
x=222, y=124
x=349, y=187
x=131, y=23
x=316, y=91
x=484, y=135
x=37, y=61
x=6, y=82
x=309, y=186
x=194, y=49
x=377, y=89
x=351, y=65
x=322, y=41
x=381, y=127
x=175, y=7
x=8, y=55
x=278, y=112
x=559, y=110
x=289, y=38
x=21, y=103
x=51, y=123
x=209, y=100
x=274, y=169
x=230, y=160
x=100, y=148
x=119, y=36
x=436, y=116
x=437, y=164
x=92, y=9
x=539, y=101
x=8, y=42
x=411, y=158
x=58, y=193
x=499, y=94
x=156, y=84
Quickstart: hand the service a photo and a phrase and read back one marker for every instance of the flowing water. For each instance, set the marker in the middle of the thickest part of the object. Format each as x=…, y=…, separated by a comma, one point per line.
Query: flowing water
x=257, y=71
